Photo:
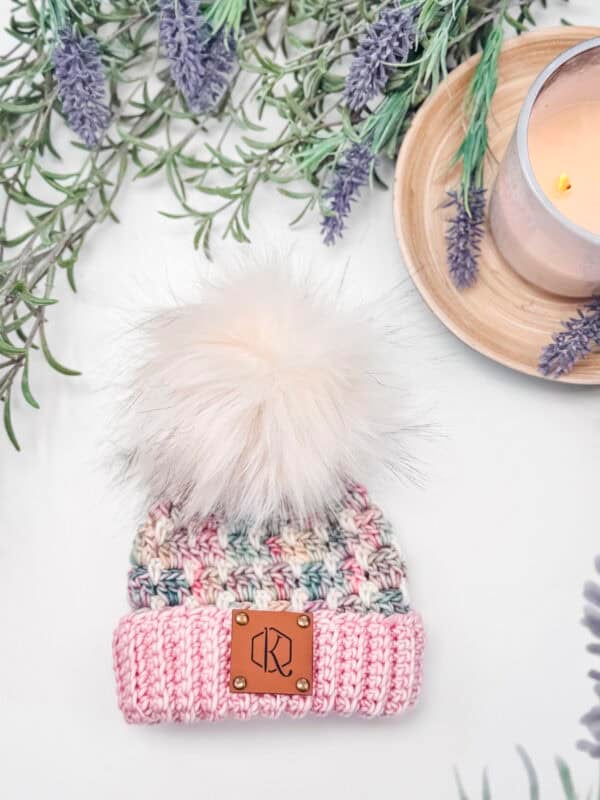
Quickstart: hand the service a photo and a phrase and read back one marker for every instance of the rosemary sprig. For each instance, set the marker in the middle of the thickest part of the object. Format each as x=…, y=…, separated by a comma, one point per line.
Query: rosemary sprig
x=465, y=227
x=473, y=147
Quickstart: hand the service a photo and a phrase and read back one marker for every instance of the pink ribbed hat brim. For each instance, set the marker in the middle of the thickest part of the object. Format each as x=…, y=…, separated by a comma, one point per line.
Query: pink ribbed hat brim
x=172, y=665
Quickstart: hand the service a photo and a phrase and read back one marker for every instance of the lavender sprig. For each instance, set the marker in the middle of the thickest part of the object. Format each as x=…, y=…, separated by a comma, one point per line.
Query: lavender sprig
x=463, y=236
x=201, y=61
x=386, y=44
x=574, y=343
x=81, y=85
x=466, y=228
x=350, y=175
x=591, y=620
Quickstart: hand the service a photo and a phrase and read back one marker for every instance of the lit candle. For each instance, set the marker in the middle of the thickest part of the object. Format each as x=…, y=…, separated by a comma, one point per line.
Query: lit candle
x=564, y=136
x=545, y=206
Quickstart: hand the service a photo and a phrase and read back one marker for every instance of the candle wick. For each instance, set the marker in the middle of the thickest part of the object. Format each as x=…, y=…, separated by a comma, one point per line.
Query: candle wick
x=564, y=183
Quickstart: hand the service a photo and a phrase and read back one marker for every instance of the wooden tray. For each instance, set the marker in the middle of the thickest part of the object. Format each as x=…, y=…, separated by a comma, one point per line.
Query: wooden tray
x=502, y=316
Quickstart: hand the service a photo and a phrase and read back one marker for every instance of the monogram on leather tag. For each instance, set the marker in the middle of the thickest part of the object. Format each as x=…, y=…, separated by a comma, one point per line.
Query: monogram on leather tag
x=271, y=652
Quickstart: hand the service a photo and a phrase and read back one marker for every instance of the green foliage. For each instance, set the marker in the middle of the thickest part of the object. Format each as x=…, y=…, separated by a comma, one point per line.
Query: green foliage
x=533, y=786
x=293, y=58
x=473, y=148
x=227, y=13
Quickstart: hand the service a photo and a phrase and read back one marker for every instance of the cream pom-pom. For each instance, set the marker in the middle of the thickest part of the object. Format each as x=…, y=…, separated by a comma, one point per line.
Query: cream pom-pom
x=263, y=399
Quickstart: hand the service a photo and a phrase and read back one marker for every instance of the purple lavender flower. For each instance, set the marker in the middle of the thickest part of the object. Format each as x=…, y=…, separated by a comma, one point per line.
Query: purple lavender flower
x=591, y=620
x=81, y=89
x=200, y=61
x=464, y=235
x=350, y=175
x=387, y=43
x=573, y=343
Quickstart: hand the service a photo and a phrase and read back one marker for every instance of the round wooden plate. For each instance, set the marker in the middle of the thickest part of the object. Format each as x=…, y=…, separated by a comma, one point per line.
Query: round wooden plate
x=502, y=316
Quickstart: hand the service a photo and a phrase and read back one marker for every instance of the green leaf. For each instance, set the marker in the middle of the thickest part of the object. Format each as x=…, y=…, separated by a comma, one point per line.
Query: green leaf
x=30, y=298
x=294, y=195
x=226, y=13
x=245, y=209
x=17, y=323
x=247, y=123
x=153, y=127
x=25, y=385
x=459, y=786
x=174, y=179
x=256, y=144
x=8, y=421
x=307, y=207
x=486, y=793
x=202, y=236
x=20, y=108
x=9, y=350
x=57, y=176
x=26, y=198
x=151, y=168
x=222, y=159
x=566, y=779
x=267, y=64
x=228, y=192
x=332, y=83
x=236, y=230
x=17, y=240
x=315, y=152
x=69, y=265
x=50, y=358
x=33, y=12
x=387, y=120
x=136, y=140
x=141, y=32
x=190, y=161
x=170, y=215
x=534, y=788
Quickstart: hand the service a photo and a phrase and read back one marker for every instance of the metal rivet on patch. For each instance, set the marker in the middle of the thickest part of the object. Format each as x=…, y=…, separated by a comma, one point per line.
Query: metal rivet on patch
x=241, y=618
x=239, y=683
x=303, y=621
x=302, y=685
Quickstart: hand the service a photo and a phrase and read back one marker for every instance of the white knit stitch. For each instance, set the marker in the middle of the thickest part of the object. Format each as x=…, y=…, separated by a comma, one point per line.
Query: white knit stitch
x=262, y=599
x=189, y=570
x=368, y=591
x=163, y=529
x=298, y=600
x=331, y=563
x=347, y=521
x=225, y=599
x=154, y=570
x=333, y=598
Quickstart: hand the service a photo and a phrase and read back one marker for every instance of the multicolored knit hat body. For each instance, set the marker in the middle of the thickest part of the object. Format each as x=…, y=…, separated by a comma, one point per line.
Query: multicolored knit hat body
x=341, y=636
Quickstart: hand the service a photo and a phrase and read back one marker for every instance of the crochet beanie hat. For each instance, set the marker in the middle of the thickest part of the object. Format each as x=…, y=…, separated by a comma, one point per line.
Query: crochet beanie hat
x=264, y=580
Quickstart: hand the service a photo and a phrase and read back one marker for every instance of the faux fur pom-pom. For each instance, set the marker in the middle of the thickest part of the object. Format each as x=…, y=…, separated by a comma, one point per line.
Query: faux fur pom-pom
x=263, y=399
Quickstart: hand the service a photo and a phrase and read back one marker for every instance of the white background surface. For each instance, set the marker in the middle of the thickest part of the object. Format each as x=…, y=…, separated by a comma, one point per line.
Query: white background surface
x=499, y=543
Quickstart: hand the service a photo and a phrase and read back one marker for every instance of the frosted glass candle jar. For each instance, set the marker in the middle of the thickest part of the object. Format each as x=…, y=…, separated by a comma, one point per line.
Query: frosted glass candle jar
x=543, y=204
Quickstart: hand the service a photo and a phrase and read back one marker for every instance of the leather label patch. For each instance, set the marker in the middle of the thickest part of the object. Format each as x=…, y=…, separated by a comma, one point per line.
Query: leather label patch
x=271, y=652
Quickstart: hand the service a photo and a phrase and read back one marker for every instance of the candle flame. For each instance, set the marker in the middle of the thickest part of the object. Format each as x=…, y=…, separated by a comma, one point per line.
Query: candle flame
x=563, y=184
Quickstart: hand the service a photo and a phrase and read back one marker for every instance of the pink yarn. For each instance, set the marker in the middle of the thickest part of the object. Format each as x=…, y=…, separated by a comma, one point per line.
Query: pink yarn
x=172, y=665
